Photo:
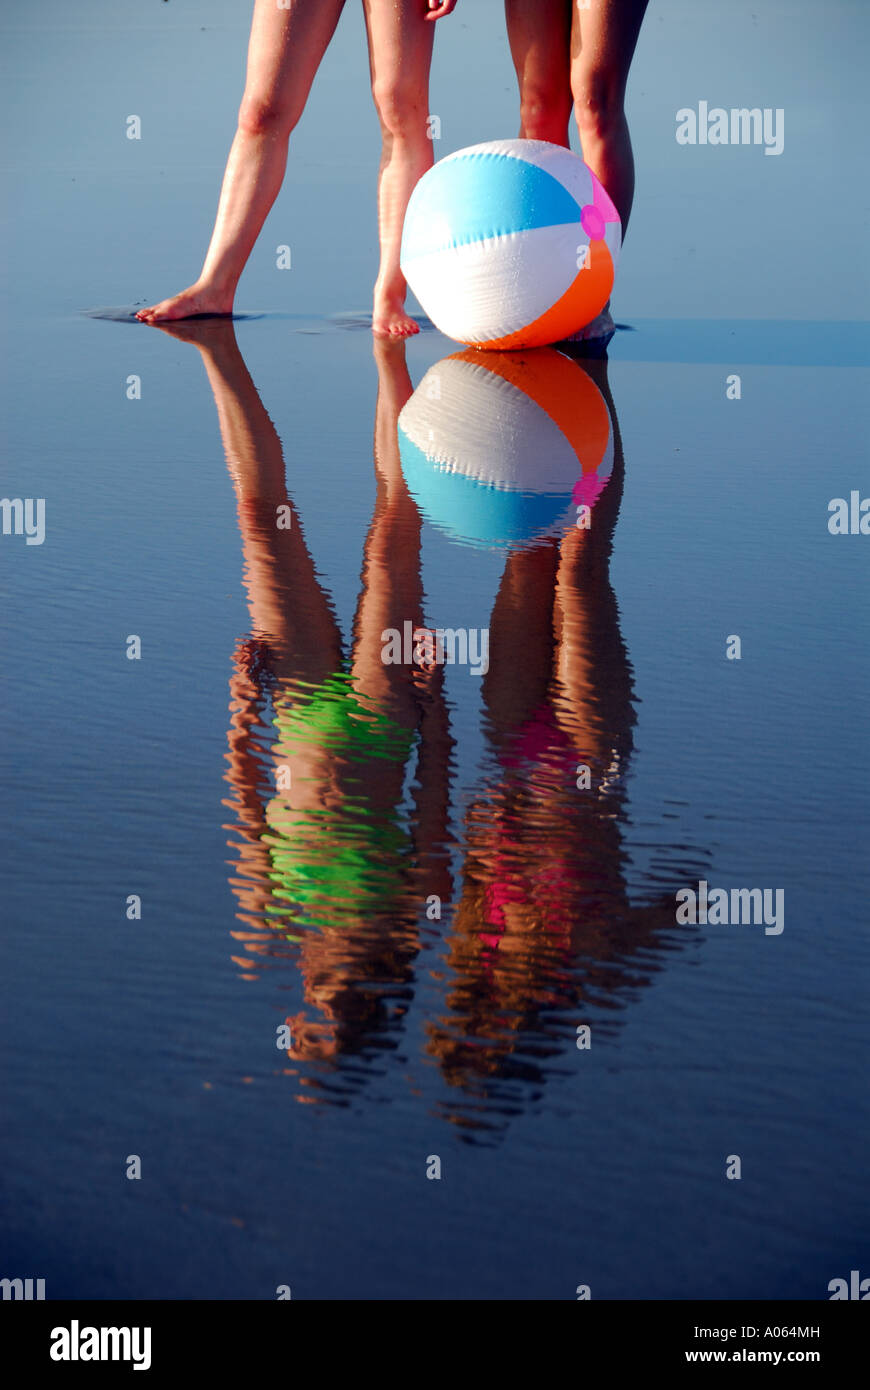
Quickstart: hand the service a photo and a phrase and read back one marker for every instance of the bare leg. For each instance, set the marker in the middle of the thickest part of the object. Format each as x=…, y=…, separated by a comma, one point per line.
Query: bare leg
x=565, y=54
x=284, y=53
x=400, y=52
x=603, y=40
x=539, y=33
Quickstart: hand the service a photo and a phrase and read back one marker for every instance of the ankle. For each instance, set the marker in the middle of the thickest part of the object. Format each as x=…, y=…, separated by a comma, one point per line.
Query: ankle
x=393, y=287
x=215, y=286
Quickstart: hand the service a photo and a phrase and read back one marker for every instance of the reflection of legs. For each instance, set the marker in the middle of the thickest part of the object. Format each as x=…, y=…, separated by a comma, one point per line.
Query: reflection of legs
x=603, y=41
x=591, y=662
x=284, y=53
x=582, y=593
x=392, y=593
x=400, y=52
x=392, y=590
x=521, y=638
x=539, y=32
x=289, y=608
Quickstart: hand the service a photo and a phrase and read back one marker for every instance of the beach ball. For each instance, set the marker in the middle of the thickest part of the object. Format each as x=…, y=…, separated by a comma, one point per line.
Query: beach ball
x=510, y=244
x=499, y=449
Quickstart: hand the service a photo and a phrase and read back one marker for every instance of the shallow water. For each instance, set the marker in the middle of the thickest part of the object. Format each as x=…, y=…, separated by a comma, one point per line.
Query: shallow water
x=308, y=900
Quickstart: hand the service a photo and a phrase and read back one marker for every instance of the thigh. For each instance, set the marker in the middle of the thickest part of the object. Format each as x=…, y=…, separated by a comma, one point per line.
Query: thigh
x=539, y=34
x=604, y=37
x=286, y=48
x=400, y=46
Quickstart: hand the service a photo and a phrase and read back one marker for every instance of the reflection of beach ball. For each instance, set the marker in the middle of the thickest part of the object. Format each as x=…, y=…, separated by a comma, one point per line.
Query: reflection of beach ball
x=510, y=244
x=503, y=448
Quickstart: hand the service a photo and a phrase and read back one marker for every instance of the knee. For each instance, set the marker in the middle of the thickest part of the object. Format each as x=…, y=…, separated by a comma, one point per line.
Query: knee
x=262, y=116
x=544, y=115
x=598, y=104
x=400, y=110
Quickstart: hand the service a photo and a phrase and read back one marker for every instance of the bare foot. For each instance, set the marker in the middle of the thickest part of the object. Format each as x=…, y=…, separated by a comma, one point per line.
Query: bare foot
x=390, y=319
x=196, y=299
